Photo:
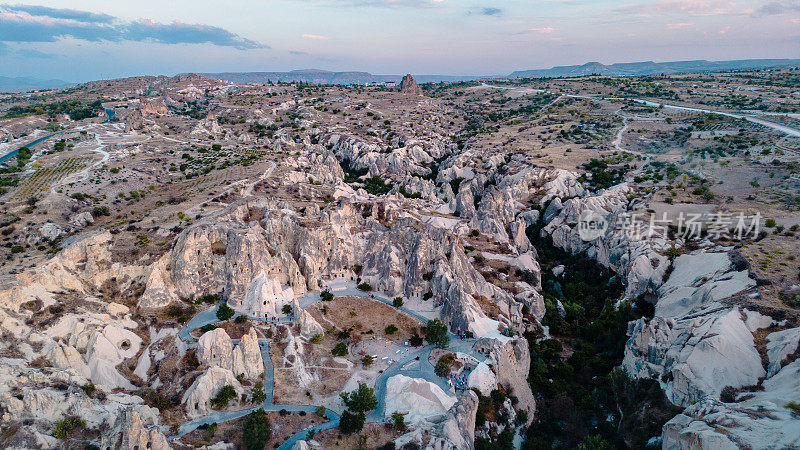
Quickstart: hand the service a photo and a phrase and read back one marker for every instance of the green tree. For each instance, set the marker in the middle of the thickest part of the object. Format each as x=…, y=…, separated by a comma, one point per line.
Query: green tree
x=258, y=393
x=339, y=349
x=594, y=442
x=257, y=430
x=399, y=421
x=287, y=309
x=351, y=423
x=225, y=312
x=437, y=333
x=442, y=367
x=397, y=302
x=361, y=400
x=390, y=329
x=326, y=296
x=225, y=395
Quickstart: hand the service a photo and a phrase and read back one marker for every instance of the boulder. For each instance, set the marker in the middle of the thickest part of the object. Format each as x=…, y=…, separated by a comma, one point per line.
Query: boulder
x=409, y=86
x=483, y=379
x=417, y=398
x=81, y=220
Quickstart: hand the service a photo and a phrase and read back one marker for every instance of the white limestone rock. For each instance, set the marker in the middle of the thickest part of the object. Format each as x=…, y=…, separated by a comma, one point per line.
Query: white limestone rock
x=196, y=399
x=82, y=220
x=216, y=348
x=483, y=379
x=417, y=398
x=130, y=432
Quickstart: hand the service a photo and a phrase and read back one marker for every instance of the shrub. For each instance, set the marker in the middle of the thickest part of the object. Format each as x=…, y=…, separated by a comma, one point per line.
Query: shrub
x=286, y=309
x=397, y=302
x=794, y=407
x=498, y=397
x=257, y=430
x=66, y=426
x=399, y=421
x=326, y=296
x=366, y=360
x=320, y=411
x=351, y=423
x=225, y=395
x=769, y=223
x=366, y=287
x=390, y=329
x=339, y=349
x=317, y=338
x=225, y=312
x=89, y=389
x=207, y=327
x=100, y=211
x=240, y=319
x=258, y=393
x=442, y=367
x=415, y=340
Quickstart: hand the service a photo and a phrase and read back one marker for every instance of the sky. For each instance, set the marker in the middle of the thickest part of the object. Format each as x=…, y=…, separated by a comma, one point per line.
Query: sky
x=101, y=39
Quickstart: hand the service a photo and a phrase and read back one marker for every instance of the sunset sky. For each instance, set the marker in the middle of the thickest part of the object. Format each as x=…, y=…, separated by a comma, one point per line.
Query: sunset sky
x=104, y=39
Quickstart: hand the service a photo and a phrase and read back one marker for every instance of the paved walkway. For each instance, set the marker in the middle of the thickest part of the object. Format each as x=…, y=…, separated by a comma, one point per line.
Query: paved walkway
x=415, y=364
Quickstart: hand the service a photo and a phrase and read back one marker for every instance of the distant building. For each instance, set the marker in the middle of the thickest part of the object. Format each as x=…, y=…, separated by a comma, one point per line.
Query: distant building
x=390, y=84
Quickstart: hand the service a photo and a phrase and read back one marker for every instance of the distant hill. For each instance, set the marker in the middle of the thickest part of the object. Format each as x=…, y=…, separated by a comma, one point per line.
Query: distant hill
x=324, y=77
x=22, y=84
x=652, y=68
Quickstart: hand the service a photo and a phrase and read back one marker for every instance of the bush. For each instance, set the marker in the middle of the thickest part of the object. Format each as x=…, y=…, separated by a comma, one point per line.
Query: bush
x=366, y=361
x=207, y=327
x=100, y=211
x=442, y=367
x=390, y=329
x=225, y=395
x=794, y=407
x=339, y=349
x=89, y=389
x=351, y=423
x=326, y=296
x=397, y=302
x=17, y=249
x=498, y=397
x=320, y=411
x=415, y=340
x=225, y=312
x=361, y=400
x=66, y=426
x=366, y=287
x=240, y=319
x=287, y=309
x=437, y=333
x=317, y=338
x=769, y=223
x=399, y=421
x=257, y=430
x=258, y=393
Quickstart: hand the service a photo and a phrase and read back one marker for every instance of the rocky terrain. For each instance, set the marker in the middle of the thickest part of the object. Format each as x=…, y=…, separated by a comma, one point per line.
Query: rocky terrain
x=455, y=265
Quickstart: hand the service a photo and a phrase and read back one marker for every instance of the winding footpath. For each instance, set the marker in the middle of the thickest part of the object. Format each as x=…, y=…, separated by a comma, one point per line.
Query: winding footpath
x=414, y=364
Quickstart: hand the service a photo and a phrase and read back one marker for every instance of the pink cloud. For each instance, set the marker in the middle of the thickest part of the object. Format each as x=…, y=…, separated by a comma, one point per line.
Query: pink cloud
x=315, y=37
x=543, y=30
x=678, y=26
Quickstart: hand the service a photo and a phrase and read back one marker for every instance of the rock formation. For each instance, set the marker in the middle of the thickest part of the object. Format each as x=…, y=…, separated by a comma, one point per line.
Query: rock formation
x=409, y=86
x=417, y=398
x=215, y=348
